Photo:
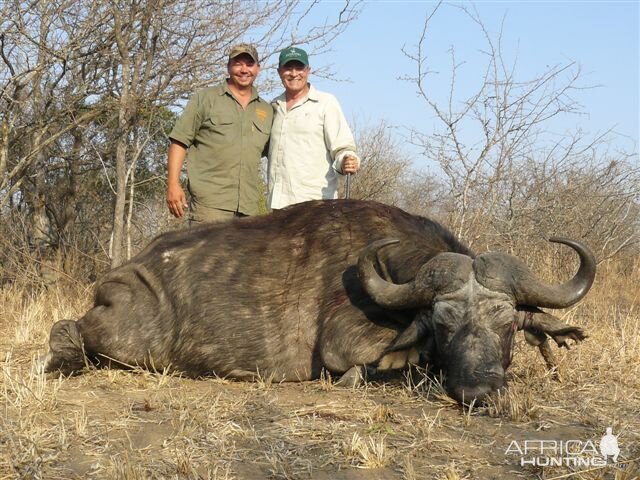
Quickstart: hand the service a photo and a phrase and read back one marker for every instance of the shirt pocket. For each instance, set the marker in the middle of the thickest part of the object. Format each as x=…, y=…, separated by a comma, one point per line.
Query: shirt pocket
x=261, y=127
x=222, y=128
x=260, y=131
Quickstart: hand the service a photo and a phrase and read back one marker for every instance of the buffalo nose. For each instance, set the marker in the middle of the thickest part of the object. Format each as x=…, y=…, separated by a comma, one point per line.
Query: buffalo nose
x=468, y=394
x=491, y=374
x=484, y=383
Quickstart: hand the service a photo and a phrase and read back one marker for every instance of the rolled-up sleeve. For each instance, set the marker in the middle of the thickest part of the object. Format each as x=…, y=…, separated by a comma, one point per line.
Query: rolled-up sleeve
x=187, y=126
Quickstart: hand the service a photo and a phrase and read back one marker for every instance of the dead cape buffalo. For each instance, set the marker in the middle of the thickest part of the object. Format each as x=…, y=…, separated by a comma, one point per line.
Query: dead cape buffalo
x=332, y=285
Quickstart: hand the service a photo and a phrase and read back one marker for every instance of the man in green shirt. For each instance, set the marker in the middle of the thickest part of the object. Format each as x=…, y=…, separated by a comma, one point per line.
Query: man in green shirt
x=225, y=129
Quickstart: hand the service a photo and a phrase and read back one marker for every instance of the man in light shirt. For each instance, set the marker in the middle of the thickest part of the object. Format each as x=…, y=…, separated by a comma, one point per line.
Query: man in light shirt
x=311, y=143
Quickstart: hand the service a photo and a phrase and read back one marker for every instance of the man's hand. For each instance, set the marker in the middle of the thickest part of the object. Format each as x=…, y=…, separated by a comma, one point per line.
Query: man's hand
x=349, y=164
x=176, y=200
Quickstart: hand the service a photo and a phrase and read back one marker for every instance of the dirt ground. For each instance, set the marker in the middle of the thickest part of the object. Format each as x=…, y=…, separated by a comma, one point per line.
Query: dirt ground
x=130, y=425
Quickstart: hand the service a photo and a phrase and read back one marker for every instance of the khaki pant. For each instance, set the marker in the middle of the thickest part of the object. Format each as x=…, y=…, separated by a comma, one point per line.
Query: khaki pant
x=200, y=214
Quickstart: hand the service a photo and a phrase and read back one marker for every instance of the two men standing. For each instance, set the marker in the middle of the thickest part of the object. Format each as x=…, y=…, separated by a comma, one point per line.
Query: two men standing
x=227, y=128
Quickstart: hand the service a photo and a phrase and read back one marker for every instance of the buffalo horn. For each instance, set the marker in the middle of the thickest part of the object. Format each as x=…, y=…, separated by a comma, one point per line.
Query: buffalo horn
x=385, y=294
x=508, y=274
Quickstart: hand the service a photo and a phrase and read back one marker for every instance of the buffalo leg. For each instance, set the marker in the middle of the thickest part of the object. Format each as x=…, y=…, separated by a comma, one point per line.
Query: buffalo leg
x=549, y=359
x=539, y=339
x=399, y=359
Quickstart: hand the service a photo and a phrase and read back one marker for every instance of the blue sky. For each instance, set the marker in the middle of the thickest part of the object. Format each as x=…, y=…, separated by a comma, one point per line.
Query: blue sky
x=601, y=37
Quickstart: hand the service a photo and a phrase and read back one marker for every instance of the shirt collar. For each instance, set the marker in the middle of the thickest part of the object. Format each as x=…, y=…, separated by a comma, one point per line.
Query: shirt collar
x=225, y=90
x=312, y=95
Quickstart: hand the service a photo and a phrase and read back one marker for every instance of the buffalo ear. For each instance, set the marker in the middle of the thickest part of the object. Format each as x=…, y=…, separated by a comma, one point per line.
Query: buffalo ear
x=409, y=337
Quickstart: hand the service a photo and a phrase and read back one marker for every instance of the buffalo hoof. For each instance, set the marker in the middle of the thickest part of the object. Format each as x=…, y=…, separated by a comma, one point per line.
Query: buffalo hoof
x=42, y=363
x=355, y=376
x=352, y=378
x=66, y=350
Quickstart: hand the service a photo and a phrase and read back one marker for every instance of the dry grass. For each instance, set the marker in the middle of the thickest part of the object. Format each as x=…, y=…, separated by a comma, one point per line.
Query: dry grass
x=137, y=425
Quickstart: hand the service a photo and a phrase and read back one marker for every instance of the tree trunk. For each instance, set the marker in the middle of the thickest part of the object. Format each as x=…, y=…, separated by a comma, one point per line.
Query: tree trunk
x=117, y=238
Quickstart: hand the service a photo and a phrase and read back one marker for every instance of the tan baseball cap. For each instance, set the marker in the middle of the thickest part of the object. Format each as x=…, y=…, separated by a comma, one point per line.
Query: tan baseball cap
x=244, y=48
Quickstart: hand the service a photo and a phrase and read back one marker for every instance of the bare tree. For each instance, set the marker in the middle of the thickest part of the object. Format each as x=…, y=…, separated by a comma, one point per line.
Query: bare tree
x=383, y=165
x=39, y=56
x=388, y=173
x=506, y=177
x=37, y=107
x=86, y=87
x=481, y=134
x=583, y=196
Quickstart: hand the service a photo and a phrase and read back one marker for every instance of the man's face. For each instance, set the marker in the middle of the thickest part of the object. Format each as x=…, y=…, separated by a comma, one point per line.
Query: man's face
x=294, y=76
x=243, y=70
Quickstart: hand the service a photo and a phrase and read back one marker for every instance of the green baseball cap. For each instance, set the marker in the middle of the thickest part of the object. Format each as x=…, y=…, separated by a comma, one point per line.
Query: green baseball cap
x=244, y=48
x=293, y=53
